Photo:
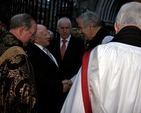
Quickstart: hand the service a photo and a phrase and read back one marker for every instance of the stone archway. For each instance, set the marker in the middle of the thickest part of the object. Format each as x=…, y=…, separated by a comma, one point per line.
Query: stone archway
x=107, y=10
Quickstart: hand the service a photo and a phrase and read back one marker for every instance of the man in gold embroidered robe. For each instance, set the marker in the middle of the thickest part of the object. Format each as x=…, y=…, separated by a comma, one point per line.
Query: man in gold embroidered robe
x=17, y=87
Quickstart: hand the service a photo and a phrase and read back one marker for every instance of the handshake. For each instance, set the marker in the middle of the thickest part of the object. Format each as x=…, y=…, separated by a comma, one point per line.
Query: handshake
x=66, y=85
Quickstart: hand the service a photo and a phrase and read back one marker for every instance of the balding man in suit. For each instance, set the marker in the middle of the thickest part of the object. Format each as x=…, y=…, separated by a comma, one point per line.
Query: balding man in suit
x=47, y=73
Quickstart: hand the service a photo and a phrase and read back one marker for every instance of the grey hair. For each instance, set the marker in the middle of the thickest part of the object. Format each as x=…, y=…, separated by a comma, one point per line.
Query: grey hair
x=63, y=19
x=129, y=13
x=21, y=20
x=90, y=17
x=50, y=32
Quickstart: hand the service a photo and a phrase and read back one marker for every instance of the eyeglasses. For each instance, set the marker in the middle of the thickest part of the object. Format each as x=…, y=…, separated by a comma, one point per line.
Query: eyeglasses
x=32, y=34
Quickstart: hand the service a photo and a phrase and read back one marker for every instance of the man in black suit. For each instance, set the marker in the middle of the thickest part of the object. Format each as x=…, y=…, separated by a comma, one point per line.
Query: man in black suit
x=47, y=73
x=75, y=49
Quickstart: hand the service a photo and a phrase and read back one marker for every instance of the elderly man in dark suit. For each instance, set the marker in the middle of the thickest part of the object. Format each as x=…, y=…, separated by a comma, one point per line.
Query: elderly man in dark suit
x=70, y=61
x=47, y=73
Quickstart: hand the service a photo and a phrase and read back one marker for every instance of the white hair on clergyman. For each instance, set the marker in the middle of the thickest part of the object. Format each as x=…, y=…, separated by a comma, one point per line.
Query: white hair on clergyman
x=129, y=13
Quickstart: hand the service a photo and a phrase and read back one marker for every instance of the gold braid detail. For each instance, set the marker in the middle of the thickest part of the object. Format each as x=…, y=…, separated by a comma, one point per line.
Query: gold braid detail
x=15, y=50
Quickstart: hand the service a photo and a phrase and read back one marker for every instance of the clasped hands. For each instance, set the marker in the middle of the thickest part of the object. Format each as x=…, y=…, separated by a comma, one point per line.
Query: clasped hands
x=66, y=85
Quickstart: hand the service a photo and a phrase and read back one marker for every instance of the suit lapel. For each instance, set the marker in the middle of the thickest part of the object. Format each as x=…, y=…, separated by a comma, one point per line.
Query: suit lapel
x=44, y=54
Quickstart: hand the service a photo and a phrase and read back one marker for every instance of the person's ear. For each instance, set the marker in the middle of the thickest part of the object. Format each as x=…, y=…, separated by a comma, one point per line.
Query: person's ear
x=21, y=29
x=116, y=28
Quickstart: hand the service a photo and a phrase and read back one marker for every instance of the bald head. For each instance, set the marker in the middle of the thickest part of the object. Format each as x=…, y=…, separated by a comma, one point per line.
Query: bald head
x=40, y=29
x=42, y=36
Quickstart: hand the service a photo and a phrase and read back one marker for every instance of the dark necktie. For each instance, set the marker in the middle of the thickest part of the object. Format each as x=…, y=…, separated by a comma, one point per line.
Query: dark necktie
x=63, y=48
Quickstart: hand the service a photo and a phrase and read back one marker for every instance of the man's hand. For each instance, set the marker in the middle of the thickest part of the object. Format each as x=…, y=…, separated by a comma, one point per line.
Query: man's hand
x=66, y=85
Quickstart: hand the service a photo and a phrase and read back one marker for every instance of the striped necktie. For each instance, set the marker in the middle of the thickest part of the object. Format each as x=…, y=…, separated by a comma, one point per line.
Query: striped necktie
x=48, y=53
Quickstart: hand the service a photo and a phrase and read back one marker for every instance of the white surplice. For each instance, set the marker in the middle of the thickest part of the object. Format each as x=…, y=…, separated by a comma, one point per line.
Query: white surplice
x=114, y=79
